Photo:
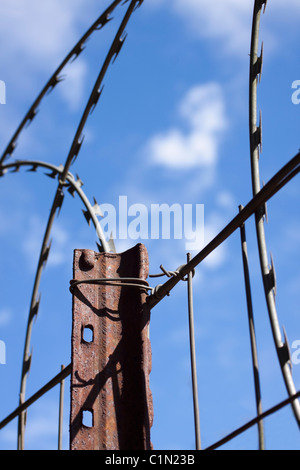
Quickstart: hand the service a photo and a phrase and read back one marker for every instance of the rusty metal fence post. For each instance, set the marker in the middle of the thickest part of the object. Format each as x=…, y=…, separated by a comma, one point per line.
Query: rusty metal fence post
x=111, y=402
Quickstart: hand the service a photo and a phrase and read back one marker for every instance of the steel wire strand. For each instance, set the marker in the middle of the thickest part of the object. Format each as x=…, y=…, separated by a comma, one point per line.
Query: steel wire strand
x=253, y=422
x=267, y=272
x=193, y=358
x=62, y=375
x=253, y=342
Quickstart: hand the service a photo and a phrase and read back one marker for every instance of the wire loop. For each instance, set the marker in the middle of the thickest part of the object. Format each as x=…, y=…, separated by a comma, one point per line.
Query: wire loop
x=117, y=281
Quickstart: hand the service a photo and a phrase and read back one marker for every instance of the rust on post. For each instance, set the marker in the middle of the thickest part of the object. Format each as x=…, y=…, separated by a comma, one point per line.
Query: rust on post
x=111, y=402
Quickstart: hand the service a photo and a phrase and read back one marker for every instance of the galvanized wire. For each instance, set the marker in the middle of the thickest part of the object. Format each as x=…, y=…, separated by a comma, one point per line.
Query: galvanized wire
x=193, y=358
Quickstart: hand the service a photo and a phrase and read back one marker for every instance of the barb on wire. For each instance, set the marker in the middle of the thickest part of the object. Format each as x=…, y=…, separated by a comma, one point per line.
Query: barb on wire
x=72, y=188
x=35, y=308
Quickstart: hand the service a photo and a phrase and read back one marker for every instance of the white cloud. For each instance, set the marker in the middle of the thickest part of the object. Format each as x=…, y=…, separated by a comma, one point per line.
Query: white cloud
x=38, y=31
x=37, y=36
x=222, y=19
x=72, y=90
x=203, y=110
x=229, y=21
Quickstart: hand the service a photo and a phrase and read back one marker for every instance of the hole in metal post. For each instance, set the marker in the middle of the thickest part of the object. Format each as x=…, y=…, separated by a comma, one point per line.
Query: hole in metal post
x=88, y=334
x=88, y=418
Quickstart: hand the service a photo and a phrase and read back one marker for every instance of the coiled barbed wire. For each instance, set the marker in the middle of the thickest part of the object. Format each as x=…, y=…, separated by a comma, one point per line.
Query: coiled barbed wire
x=267, y=271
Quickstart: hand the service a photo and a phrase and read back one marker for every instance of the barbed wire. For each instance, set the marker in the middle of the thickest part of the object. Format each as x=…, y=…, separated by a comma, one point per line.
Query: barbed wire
x=255, y=207
x=267, y=271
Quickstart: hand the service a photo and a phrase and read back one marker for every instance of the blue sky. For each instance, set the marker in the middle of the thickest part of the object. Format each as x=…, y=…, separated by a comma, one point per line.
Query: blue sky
x=170, y=127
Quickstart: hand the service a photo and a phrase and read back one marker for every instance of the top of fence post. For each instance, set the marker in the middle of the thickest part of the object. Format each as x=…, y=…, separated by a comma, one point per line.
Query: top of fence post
x=111, y=354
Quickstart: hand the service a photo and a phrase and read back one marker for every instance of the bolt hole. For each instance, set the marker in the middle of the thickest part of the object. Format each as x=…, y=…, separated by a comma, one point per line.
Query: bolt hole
x=88, y=334
x=88, y=418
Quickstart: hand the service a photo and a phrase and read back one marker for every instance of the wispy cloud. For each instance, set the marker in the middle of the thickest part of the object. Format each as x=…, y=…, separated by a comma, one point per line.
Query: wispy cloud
x=72, y=90
x=37, y=35
x=39, y=31
x=229, y=21
x=203, y=110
